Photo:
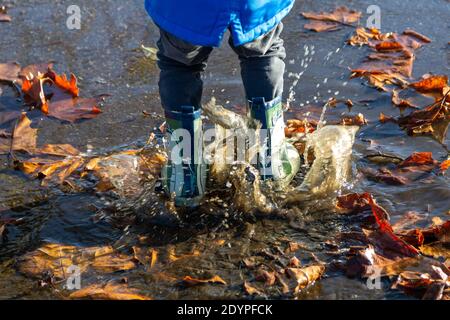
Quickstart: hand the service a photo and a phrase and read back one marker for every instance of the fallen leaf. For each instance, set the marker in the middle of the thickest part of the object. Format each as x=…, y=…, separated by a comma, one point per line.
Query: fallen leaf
x=401, y=103
x=408, y=219
x=24, y=138
x=437, y=250
x=251, y=290
x=9, y=71
x=432, y=120
x=109, y=291
x=431, y=83
x=173, y=257
x=384, y=175
x=445, y=165
x=189, y=281
x=305, y=276
x=57, y=259
x=35, y=70
x=266, y=276
x=59, y=150
x=33, y=90
x=418, y=159
x=357, y=120
x=391, y=61
x=341, y=15
x=61, y=81
x=384, y=118
x=321, y=26
x=295, y=126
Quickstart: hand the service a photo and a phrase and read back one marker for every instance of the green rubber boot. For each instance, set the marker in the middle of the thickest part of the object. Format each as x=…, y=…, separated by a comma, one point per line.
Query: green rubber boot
x=184, y=176
x=278, y=160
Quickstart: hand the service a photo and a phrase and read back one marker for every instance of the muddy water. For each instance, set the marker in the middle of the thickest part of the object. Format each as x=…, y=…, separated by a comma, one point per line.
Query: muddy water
x=105, y=55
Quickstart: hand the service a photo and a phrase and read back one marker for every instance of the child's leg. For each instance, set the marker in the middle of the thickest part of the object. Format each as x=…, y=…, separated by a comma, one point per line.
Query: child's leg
x=262, y=69
x=181, y=65
x=181, y=86
x=262, y=65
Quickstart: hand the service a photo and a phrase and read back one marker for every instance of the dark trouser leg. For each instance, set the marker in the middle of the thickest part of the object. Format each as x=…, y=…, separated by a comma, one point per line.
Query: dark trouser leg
x=181, y=65
x=262, y=65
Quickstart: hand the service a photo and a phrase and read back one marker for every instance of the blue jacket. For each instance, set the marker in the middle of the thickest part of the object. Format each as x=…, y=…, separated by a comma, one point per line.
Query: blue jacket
x=204, y=22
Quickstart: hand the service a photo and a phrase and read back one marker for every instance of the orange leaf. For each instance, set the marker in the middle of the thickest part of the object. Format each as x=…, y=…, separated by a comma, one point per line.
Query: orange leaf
x=418, y=159
x=69, y=85
x=108, y=292
x=432, y=83
x=445, y=165
x=189, y=281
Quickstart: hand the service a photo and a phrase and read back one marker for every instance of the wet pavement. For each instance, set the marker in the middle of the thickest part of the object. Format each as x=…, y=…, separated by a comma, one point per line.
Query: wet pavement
x=105, y=55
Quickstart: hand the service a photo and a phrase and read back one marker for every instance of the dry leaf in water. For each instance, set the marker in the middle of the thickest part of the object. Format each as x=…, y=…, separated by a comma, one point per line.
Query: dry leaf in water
x=24, y=138
x=321, y=26
x=190, y=281
x=251, y=290
x=305, y=276
x=341, y=15
x=57, y=259
x=109, y=291
x=9, y=71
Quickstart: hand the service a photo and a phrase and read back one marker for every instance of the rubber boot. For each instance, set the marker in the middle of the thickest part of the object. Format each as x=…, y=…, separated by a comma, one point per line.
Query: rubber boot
x=277, y=160
x=184, y=176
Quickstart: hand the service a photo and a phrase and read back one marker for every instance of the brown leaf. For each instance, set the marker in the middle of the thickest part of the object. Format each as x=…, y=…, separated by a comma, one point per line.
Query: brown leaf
x=251, y=290
x=357, y=120
x=367, y=262
x=321, y=26
x=295, y=126
x=9, y=71
x=24, y=137
x=172, y=256
x=363, y=36
x=418, y=159
x=401, y=103
x=108, y=292
x=353, y=203
x=305, y=276
x=408, y=219
x=35, y=70
x=384, y=175
x=189, y=281
x=66, y=108
x=59, y=150
x=433, y=120
x=265, y=276
x=56, y=258
x=391, y=63
x=431, y=83
x=341, y=15
x=384, y=118
x=436, y=250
